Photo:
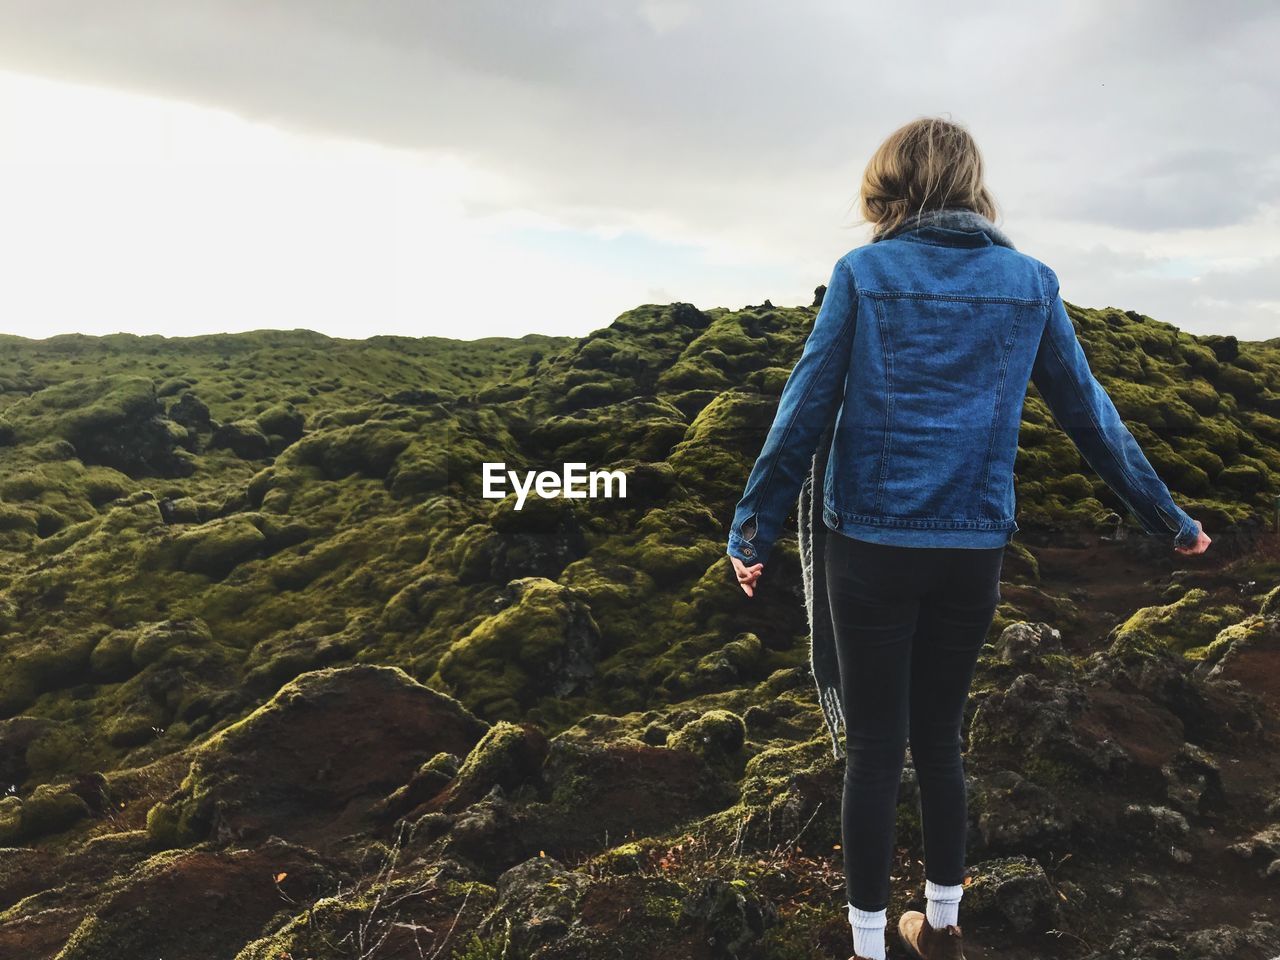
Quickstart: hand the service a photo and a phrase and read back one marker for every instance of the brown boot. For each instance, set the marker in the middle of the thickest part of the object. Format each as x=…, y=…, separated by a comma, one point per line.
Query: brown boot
x=927, y=943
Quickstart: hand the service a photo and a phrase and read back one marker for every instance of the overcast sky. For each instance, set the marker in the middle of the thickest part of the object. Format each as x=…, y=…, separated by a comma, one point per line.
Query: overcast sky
x=473, y=168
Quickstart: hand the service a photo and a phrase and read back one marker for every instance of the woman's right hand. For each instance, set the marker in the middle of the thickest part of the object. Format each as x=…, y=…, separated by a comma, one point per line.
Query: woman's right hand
x=1200, y=546
x=747, y=576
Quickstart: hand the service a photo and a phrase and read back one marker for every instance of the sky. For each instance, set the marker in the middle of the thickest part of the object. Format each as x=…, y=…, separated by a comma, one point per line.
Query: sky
x=482, y=168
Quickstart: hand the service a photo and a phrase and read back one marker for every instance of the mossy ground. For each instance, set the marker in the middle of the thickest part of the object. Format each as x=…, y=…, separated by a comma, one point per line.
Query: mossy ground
x=189, y=524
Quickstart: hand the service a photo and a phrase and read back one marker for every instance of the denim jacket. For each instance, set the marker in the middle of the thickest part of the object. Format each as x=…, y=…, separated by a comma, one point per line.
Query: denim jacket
x=922, y=350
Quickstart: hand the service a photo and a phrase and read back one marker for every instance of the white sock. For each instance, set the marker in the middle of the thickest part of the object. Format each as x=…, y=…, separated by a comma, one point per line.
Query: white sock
x=942, y=904
x=868, y=931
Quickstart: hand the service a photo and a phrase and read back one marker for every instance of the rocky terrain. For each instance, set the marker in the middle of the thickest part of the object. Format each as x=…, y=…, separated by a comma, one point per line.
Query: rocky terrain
x=278, y=683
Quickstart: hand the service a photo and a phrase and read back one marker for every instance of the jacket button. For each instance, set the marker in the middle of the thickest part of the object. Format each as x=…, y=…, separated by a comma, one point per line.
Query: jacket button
x=749, y=551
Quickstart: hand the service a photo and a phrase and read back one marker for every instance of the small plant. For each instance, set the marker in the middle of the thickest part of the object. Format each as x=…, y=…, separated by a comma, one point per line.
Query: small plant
x=376, y=912
x=484, y=948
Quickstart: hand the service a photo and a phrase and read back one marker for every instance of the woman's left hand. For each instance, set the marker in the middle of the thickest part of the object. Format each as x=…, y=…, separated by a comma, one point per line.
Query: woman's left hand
x=747, y=576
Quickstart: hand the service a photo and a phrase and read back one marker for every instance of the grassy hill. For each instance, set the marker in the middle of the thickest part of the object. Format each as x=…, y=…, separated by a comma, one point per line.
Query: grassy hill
x=256, y=619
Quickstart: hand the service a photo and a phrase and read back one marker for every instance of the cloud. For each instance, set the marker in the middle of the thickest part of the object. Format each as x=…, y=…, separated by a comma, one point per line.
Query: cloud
x=737, y=130
x=1239, y=296
x=1193, y=188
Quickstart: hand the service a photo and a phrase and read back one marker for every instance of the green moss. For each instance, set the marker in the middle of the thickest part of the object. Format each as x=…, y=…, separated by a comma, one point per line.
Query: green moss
x=1182, y=625
x=287, y=654
x=112, y=656
x=310, y=932
x=1242, y=634
x=367, y=538
x=1270, y=606
x=282, y=419
x=47, y=661
x=1049, y=772
x=15, y=520
x=55, y=750
x=500, y=751
x=10, y=820
x=155, y=640
x=163, y=826
x=479, y=948
x=78, y=408
x=674, y=544
x=131, y=729
x=663, y=907
x=321, y=930
x=178, y=825
x=1058, y=664
x=804, y=926
x=625, y=857
x=214, y=549
x=715, y=733
x=743, y=653
x=51, y=808
x=507, y=660
x=368, y=448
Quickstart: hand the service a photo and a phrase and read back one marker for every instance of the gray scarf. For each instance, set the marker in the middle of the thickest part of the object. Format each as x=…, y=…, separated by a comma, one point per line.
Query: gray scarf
x=813, y=530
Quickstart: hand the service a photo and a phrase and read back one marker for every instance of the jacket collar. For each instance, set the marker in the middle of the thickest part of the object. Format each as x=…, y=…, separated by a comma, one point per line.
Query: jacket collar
x=949, y=226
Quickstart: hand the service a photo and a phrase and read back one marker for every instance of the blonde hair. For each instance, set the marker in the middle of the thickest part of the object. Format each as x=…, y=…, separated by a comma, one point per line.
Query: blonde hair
x=927, y=164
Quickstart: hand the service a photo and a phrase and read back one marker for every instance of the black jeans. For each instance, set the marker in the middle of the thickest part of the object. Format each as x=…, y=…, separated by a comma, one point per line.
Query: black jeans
x=909, y=624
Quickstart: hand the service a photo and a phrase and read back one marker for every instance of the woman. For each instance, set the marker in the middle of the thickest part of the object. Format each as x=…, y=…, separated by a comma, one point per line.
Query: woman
x=899, y=428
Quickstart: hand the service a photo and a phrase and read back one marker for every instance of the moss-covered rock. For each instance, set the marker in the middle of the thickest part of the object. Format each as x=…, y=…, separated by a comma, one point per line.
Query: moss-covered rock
x=1249, y=653
x=356, y=532
x=1024, y=644
x=115, y=420
x=544, y=640
x=191, y=412
x=224, y=899
x=298, y=766
x=51, y=808
x=283, y=420
x=368, y=448
x=10, y=820
x=1017, y=815
x=215, y=548
x=1013, y=890
x=131, y=729
x=1043, y=719
x=244, y=438
x=433, y=911
x=49, y=660
x=1188, y=622
x=507, y=755
x=1270, y=606
x=716, y=732
x=630, y=787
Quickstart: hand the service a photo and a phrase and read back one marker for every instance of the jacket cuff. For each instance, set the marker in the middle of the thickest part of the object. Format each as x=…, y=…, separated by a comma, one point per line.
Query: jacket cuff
x=743, y=549
x=1188, y=533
